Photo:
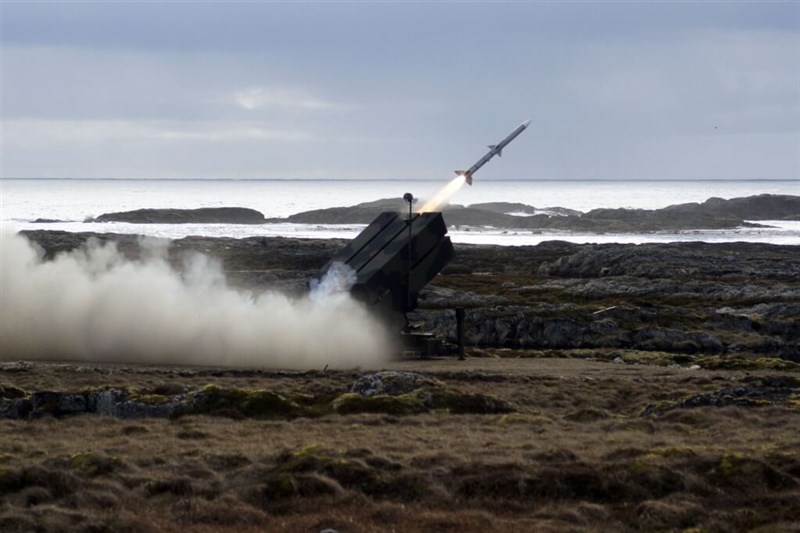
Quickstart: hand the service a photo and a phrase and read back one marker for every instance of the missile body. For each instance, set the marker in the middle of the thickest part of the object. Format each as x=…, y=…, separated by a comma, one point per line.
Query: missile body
x=494, y=149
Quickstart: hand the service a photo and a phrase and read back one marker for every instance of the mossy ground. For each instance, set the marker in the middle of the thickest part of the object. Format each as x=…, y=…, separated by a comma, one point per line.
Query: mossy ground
x=657, y=358
x=574, y=454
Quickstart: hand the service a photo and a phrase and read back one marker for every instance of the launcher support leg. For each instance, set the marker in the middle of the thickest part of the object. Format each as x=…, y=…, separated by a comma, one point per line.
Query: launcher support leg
x=460, y=332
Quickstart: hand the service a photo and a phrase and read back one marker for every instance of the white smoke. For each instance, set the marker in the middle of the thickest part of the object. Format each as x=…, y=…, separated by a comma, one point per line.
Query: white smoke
x=93, y=304
x=336, y=283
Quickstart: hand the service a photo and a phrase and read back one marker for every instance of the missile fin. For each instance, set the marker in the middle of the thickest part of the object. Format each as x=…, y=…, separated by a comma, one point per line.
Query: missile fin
x=460, y=172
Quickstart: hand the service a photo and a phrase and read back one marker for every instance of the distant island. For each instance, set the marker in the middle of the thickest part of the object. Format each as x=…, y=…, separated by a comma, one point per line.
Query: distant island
x=203, y=215
x=714, y=213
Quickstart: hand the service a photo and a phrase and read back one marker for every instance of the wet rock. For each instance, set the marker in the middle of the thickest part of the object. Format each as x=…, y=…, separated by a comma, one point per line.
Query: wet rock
x=15, y=408
x=767, y=391
x=391, y=383
x=149, y=409
x=71, y=404
x=106, y=402
x=45, y=403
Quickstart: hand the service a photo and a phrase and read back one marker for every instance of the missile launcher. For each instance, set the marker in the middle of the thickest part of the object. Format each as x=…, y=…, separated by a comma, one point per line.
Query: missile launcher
x=395, y=257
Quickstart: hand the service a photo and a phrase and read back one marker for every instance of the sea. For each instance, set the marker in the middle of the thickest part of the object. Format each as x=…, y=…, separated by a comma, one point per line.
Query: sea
x=72, y=201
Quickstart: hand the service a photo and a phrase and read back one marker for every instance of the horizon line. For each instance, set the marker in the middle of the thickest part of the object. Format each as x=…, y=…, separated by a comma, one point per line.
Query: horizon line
x=489, y=180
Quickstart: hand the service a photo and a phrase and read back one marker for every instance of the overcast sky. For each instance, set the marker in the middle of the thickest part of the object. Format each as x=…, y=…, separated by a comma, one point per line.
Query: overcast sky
x=625, y=90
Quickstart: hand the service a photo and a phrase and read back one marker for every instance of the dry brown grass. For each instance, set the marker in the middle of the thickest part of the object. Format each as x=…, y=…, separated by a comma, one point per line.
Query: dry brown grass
x=577, y=455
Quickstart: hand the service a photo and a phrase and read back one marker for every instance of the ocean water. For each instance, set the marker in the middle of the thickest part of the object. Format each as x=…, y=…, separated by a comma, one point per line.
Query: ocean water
x=74, y=200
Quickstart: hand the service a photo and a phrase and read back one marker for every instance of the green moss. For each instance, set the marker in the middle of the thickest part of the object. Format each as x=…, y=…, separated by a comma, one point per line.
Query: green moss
x=404, y=404
x=150, y=399
x=422, y=400
x=310, y=450
x=261, y=403
x=85, y=391
x=257, y=403
x=305, y=459
x=349, y=472
x=457, y=402
x=91, y=464
x=740, y=363
x=355, y=473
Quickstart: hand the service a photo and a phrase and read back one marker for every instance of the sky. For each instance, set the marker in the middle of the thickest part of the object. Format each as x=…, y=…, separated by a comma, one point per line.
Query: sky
x=400, y=90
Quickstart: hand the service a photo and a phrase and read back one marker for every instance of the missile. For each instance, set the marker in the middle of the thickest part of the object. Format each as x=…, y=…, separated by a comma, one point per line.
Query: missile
x=494, y=150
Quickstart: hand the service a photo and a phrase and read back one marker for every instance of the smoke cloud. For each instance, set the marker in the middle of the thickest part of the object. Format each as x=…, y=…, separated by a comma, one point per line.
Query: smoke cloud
x=93, y=304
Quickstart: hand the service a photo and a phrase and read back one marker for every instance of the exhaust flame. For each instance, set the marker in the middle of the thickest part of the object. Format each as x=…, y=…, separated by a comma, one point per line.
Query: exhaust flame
x=443, y=195
x=93, y=304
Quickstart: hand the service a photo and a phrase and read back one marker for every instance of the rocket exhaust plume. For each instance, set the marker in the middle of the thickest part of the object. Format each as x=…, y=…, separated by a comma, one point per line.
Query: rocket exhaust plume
x=465, y=176
x=93, y=304
x=444, y=194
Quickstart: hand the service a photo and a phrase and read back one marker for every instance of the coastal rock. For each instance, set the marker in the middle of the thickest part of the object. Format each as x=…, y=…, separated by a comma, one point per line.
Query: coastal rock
x=759, y=207
x=205, y=215
x=523, y=209
x=715, y=213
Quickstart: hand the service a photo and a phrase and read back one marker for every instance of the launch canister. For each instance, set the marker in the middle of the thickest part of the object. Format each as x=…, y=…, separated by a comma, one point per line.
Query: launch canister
x=494, y=149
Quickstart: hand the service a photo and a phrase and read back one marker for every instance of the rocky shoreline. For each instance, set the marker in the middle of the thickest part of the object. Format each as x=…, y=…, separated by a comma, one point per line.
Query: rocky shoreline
x=714, y=213
x=734, y=300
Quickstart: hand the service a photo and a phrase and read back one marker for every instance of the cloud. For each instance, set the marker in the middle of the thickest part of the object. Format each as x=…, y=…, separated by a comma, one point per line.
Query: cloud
x=234, y=134
x=690, y=83
x=38, y=131
x=294, y=90
x=266, y=97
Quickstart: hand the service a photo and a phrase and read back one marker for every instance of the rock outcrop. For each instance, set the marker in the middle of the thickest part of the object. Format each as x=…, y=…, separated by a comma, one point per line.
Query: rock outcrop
x=205, y=215
x=726, y=299
x=714, y=213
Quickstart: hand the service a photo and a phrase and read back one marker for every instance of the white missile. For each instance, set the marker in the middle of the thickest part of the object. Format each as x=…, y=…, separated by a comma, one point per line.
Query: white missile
x=494, y=149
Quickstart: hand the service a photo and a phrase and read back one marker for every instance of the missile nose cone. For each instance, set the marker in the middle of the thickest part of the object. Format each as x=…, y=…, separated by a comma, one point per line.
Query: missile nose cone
x=525, y=124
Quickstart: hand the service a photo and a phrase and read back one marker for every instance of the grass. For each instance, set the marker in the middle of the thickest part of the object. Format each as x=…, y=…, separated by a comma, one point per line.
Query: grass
x=574, y=454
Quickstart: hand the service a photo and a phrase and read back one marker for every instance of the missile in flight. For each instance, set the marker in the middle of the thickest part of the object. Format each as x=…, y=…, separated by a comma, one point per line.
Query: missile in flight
x=494, y=149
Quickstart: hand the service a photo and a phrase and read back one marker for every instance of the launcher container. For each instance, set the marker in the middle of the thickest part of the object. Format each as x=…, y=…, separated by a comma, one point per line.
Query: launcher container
x=395, y=257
